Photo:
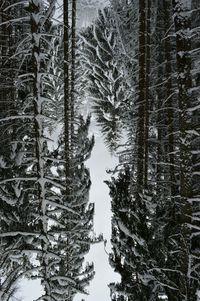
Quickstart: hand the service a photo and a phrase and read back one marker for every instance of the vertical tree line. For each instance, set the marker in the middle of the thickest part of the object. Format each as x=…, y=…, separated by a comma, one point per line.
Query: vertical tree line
x=155, y=195
x=46, y=217
x=138, y=64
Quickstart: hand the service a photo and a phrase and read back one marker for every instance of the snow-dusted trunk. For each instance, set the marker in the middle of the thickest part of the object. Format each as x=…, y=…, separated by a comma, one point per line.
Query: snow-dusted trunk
x=158, y=104
x=140, y=136
x=142, y=230
x=64, y=267
x=182, y=22
x=147, y=92
x=38, y=19
x=183, y=46
x=169, y=96
x=141, y=96
x=66, y=91
x=73, y=67
x=195, y=241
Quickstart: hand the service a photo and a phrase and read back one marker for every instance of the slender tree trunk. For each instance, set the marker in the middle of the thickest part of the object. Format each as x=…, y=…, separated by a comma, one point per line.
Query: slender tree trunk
x=39, y=17
x=140, y=142
x=64, y=265
x=169, y=96
x=73, y=67
x=170, y=148
x=141, y=96
x=66, y=92
x=182, y=24
x=195, y=240
x=147, y=94
x=158, y=106
x=38, y=125
x=183, y=45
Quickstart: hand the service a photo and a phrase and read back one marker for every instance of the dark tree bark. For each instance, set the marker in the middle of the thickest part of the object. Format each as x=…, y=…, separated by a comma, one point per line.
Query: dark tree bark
x=182, y=23
x=36, y=30
x=141, y=96
x=142, y=230
x=73, y=67
x=66, y=91
x=147, y=93
x=169, y=96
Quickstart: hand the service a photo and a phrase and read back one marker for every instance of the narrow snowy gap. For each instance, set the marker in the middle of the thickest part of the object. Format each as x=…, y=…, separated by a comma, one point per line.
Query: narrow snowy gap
x=99, y=162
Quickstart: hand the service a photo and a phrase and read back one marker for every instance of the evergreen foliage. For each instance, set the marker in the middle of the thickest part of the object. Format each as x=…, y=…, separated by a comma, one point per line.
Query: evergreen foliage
x=138, y=62
x=106, y=85
x=160, y=196
x=46, y=217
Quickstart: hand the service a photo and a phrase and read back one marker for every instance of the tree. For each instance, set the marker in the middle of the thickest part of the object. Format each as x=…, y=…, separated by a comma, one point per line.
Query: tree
x=182, y=22
x=106, y=85
x=32, y=178
x=123, y=229
x=73, y=231
x=15, y=208
x=161, y=149
x=46, y=216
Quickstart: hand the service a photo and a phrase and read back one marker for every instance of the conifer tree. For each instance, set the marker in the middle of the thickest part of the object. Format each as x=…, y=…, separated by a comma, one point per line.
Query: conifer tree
x=106, y=85
x=73, y=240
x=46, y=215
x=182, y=22
x=158, y=130
x=15, y=208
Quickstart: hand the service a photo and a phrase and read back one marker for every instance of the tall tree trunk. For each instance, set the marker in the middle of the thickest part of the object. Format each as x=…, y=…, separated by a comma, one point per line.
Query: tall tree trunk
x=147, y=93
x=140, y=142
x=160, y=170
x=66, y=92
x=182, y=22
x=64, y=265
x=73, y=67
x=195, y=241
x=39, y=17
x=170, y=111
x=141, y=97
x=169, y=96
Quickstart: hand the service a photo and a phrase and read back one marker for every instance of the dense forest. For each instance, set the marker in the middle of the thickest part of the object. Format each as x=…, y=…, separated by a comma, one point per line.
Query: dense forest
x=138, y=66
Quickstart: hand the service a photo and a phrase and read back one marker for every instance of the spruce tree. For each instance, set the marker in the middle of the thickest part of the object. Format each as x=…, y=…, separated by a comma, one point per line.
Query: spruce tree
x=106, y=85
